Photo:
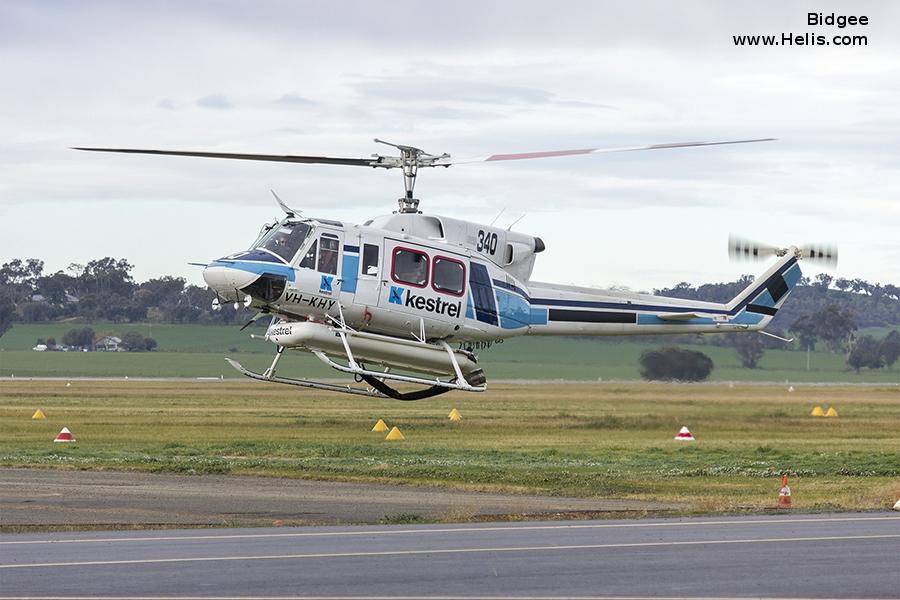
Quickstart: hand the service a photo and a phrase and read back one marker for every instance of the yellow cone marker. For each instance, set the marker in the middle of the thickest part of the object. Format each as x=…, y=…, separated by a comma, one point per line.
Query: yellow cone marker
x=380, y=426
x=454, y=416
x=395, y=434
x=38, y=414
x=831, y=412
x=817, y=412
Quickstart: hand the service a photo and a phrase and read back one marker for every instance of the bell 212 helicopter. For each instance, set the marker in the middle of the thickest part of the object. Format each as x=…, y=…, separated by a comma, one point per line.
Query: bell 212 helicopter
x=409, y=297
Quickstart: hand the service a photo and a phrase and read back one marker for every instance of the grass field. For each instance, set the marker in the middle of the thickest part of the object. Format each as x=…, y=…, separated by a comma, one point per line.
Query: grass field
x=606, y=440
x=197, y=351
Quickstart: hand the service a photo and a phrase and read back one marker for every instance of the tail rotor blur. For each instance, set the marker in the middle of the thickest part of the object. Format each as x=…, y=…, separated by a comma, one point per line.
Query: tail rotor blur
x=742, y=249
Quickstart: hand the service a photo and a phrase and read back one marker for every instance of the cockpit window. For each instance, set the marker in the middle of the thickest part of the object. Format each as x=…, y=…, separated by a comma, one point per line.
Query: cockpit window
x=309, y=261
x=285, y=239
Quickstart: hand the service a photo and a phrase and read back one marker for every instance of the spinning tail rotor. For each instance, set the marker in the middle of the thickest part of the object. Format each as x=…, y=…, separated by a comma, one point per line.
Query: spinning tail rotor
x=742, y=249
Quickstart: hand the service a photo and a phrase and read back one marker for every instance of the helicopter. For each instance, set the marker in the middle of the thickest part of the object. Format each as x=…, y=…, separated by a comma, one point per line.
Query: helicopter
x=409, y=297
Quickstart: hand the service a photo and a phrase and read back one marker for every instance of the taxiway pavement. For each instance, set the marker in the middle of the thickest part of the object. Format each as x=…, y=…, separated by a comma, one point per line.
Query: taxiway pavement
x=779, y=556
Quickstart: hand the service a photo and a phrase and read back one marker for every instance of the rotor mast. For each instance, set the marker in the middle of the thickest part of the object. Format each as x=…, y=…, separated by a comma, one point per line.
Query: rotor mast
x=409, y=162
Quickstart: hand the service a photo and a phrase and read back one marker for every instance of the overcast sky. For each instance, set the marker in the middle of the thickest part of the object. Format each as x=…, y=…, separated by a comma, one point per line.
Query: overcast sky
x=468, y=78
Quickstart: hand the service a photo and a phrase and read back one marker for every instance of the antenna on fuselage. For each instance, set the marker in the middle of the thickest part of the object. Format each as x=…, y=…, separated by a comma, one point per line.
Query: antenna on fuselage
x=290, y=212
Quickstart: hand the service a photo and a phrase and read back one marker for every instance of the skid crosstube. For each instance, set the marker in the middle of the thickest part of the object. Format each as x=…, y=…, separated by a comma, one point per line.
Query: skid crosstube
x=378, y=389
x=318, y=385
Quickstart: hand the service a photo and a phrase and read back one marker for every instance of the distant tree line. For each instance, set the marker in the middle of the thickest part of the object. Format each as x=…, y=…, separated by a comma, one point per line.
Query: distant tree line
x=868, y=304
x=822, y=309
x=102, y=290
x=84, y=338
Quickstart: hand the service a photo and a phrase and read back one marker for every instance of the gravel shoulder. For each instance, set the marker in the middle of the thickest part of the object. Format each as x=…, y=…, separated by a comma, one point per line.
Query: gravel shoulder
x=47, y=498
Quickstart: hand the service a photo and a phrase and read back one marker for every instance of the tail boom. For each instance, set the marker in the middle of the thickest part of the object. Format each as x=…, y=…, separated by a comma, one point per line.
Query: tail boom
x=567, y=310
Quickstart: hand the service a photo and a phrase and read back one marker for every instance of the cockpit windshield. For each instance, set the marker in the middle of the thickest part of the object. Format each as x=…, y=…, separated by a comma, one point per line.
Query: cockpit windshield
x=285, y=239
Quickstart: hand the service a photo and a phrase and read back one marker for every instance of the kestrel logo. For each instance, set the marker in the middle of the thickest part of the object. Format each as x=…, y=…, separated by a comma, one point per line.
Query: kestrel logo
x=404, y=297
x=325, y=285
x=396, y=296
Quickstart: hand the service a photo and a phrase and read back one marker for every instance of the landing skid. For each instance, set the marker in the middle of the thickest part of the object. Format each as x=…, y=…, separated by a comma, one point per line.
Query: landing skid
x=378, y=389
x=318, y=385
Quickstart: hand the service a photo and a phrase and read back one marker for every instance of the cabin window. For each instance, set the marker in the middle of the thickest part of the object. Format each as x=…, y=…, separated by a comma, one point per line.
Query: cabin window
x=410, y=266
x=369, y=260
x=328, y=254
x=309, y=261
x=449, y=276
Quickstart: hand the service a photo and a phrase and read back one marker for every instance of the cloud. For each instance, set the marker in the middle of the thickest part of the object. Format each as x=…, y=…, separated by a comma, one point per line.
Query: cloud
x=215, y=101
x=427, y=88
x=294, y=100
x=167, y=104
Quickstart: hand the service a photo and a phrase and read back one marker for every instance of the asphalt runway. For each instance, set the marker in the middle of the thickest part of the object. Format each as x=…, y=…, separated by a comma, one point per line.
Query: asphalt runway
x=780, y=556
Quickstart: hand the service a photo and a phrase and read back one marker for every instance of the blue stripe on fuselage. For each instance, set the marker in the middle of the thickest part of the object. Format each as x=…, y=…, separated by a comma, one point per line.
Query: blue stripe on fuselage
x=257, y=267
x=256, y=254
x=538, y=316
x=349, y=270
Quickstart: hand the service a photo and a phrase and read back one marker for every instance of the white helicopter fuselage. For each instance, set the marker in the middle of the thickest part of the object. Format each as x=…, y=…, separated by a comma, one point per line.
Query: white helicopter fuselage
x=418, y=276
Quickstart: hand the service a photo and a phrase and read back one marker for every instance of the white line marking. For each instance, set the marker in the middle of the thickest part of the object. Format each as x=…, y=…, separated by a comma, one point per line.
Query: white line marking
x=142, y=561
x=380, y=532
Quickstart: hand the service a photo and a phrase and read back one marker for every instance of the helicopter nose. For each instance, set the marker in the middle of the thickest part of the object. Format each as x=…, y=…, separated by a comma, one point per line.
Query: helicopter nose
x=225, y=279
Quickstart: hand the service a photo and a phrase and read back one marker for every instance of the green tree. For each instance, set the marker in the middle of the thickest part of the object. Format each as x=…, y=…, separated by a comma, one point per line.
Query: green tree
x=107, y=276
x=79, y=338
x=806, y=331
x=866, y=352
x=749, y=349
x=823, y=280
x=675, y=364
x=54, y=288
x=20, y=278
x=890, y=348
x=133, y=341
x=834, y=325
x=163, y=291
x=7, y=310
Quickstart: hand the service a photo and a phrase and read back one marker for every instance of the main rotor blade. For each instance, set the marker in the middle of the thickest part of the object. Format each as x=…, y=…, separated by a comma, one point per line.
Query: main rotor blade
x=360, y=162
x=558, y=153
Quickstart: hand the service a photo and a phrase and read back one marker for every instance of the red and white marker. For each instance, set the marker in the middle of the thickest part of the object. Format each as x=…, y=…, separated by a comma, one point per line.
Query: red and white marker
x=64, y=435
x=684, y=435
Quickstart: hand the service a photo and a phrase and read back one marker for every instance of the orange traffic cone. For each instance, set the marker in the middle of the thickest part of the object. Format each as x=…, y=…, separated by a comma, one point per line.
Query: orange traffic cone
x=784, y=494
